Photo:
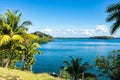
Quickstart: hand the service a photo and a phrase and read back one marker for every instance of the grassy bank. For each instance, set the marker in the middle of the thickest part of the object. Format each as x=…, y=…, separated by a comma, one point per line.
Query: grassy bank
x=10, y=74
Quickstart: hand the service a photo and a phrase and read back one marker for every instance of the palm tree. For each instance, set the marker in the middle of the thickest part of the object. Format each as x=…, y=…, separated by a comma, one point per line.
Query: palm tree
x=31, y=48
x=76, y=69
x=28, y=49
x=114, y=15
x=11, y=31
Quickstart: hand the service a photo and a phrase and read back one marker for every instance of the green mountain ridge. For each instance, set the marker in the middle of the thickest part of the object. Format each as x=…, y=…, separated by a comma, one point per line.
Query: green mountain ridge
x=44, y=38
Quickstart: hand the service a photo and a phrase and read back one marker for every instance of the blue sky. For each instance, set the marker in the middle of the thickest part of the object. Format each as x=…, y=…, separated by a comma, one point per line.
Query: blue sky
x=63, y=18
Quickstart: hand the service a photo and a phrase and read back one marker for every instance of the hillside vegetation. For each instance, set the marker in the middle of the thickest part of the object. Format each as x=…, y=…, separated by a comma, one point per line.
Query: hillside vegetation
x=44, y=38
x=102, y=37
x=11, y=74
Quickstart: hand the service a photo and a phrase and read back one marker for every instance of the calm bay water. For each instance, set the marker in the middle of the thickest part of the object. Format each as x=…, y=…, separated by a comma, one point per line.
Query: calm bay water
x=55, y=52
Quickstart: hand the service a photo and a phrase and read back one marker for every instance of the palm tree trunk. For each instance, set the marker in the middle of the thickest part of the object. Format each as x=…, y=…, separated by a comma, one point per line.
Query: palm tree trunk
x=9, y=60
x=6, y=66
x=83, y=76
x=31, y=68
x=75, y=78
x=23, y=60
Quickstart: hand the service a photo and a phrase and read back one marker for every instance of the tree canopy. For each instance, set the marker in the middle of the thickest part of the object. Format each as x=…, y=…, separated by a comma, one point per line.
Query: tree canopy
x=16, y=44
x=109, y=66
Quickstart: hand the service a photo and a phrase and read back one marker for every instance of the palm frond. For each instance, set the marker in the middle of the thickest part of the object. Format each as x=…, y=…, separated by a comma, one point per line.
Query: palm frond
x=8, y=11
x=86, y=75
x=16, y=11
x=4, y=39
x=32, y=36
x=20, y=46
x=72, y=60
x=113, y=7
x=112, y=16
x=18, y=38
x=114, y=27
x=26, y=23
x=67, y=63
x=85, y=66
x=1, y=19
x=20, y=15
x=21, y=31
x=35, y=45
x=6, y=28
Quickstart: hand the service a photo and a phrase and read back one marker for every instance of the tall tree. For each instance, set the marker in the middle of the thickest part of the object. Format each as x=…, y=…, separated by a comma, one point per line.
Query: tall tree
x=12, y=32
x=29, y=50
x=114, y=15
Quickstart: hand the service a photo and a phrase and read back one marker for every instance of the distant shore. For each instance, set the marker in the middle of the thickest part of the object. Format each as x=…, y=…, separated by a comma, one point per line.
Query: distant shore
x=81, y=38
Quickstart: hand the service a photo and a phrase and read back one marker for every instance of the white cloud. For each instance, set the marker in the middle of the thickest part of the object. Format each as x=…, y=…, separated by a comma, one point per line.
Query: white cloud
x=92, y=31
x=87, y=32
x=99, y=30
x=47, y=30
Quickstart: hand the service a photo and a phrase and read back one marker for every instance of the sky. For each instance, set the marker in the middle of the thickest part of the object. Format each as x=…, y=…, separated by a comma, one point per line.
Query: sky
x=64, y=18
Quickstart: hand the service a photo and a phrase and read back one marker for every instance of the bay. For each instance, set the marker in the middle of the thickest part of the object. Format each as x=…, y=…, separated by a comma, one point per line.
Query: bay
x=55, y=52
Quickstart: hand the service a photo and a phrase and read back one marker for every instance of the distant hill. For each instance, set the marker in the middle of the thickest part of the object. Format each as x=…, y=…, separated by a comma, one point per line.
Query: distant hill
x=102, y=37
x=44, y=38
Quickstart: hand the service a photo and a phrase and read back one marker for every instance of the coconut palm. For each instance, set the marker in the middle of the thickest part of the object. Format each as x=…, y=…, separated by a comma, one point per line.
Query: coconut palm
x=31, y=49
x=114, y=15
x=11, y=31
x=28, y=50
x=76, y=69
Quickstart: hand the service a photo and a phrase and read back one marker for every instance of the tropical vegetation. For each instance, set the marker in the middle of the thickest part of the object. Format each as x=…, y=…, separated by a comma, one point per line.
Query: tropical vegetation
x=43, y=38
x=19, y=46
x=77, y=70
x=16, y=45
x=109, y=66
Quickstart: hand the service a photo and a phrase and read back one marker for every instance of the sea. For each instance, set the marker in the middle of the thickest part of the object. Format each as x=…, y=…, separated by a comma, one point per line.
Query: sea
x=60, y=49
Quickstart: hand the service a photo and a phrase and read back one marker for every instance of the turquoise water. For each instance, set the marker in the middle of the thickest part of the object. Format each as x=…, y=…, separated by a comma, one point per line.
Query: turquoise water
x=55, y=52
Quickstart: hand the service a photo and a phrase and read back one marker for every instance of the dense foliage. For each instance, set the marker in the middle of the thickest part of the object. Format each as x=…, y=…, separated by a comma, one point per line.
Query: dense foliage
x=77, y=70
x=43, y=38
x=109, y=66
x=15, y=43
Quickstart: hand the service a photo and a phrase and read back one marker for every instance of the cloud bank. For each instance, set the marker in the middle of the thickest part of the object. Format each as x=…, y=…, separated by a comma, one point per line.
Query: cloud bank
x=99, y=30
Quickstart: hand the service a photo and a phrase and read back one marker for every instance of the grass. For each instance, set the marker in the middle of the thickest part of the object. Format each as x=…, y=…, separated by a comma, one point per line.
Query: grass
x=11, y=74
